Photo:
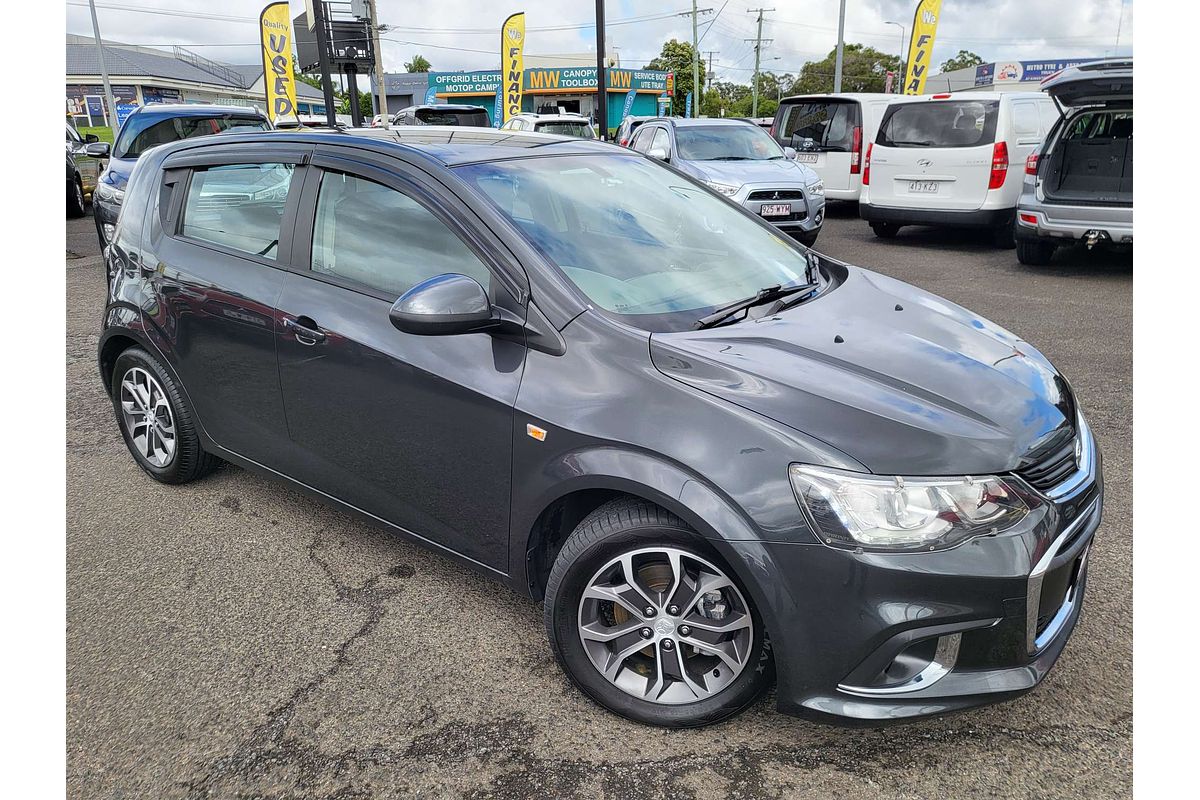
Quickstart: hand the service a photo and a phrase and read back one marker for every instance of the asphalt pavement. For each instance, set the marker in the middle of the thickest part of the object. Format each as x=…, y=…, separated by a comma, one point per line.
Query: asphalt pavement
x=231, y=638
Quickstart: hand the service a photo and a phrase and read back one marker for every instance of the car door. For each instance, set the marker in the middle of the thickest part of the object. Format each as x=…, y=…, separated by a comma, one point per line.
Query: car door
x=213, y=271
x=414, y=430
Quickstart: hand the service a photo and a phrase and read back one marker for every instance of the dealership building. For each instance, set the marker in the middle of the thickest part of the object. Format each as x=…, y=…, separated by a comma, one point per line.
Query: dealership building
x=548, y=90
x=143, y=75
x=1001, y=76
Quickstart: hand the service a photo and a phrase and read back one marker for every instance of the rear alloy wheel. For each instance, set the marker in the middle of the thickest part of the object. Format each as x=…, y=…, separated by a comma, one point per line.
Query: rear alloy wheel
x=651, y=626
x=885, y=230
x=75, y=202
x=1035, y=253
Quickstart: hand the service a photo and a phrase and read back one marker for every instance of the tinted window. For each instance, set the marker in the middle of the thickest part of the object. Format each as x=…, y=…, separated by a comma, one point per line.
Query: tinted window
x=383, y=239
x=145, y=131
x=949, y=123
x=726, y=143
x=466, y=119
x=640, y=241
x=818, y=125
x=579, y=129
x=238, y=206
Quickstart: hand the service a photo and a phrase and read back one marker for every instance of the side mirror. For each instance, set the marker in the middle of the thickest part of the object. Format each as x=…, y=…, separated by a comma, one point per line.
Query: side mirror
x=659, y=152
x=88, y=138
x=789, y=152
x=445, y=305
x=97, y=149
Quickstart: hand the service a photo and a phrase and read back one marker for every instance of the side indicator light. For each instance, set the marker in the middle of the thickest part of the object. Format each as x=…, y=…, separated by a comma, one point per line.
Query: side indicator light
x=535, y=432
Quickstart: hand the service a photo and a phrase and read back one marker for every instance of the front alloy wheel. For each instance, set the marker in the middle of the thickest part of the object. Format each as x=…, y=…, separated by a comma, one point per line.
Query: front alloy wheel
x=665, y=625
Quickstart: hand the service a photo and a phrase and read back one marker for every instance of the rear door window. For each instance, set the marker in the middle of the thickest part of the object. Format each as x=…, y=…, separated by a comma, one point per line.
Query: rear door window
x=948, y=123
x=143, y=132
x=641, y=140
x=239, y=206
x=819, y=125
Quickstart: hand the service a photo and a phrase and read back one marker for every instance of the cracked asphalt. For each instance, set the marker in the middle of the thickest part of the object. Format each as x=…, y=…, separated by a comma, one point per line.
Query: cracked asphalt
x=233, y=639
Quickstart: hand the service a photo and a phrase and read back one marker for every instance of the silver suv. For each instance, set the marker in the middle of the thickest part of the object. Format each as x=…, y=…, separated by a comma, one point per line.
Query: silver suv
x=745, y=163
x=1079, y=184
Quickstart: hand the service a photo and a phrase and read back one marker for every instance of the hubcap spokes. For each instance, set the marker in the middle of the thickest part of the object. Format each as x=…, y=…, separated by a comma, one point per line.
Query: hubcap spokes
x=147, y=416
x=665, y=626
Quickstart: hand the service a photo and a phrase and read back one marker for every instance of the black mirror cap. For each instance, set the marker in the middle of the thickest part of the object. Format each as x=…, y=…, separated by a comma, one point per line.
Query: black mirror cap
x=444, y=305
x=89, y=138
x=97, y=149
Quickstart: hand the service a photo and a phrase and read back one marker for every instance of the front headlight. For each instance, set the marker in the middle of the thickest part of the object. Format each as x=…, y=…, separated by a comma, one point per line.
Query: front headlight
x=875, y=512
x=725, y=189
x=106, y=191
x=816, y=189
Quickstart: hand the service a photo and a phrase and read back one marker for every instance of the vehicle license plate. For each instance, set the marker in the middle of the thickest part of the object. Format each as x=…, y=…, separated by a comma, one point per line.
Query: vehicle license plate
x=776, y=210
x=923, y=187
x=806, y=158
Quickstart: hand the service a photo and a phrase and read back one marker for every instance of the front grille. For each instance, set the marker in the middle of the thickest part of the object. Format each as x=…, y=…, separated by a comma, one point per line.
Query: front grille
x=793, y=217
x=768, y=195
x=1053, y=469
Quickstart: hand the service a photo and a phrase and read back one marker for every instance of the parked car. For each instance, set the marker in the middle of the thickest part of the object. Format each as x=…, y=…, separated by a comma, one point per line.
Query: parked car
x=743, y=163
x=1079, y=183
x=946, y=159
x=627, y=128
x=444, y=114
x=377, y=121
x=575, y=125
x=582, y=373
x=828, y=133
x=150, y=126
x=84, y=158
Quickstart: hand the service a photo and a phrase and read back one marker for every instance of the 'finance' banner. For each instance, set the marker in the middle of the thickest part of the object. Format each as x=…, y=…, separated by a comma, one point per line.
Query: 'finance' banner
x=512, y=63
x=920, y=47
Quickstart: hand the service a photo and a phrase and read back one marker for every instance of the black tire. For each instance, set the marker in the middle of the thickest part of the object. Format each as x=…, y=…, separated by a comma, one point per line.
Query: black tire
x=75, y=204
x=617, y=527
x=885, y=230
x=1035, y=253
x=1002, y=236
x=190, y=461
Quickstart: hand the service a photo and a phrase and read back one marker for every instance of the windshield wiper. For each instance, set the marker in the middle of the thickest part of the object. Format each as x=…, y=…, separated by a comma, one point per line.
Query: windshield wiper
x=768, y=294
x=730, y=158
x=900, y=143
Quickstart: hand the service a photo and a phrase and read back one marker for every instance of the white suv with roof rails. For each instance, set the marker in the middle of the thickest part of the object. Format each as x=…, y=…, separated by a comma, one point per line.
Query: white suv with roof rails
x=575, y=125
x=946, y=159
x=828, y=133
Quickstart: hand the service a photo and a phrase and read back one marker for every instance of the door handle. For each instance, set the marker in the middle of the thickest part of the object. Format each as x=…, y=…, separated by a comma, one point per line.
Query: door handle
x=305, y=330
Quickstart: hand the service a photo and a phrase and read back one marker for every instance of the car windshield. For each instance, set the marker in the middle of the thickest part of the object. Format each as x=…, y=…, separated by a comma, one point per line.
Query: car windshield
x=639, y=240
x=143, y=132
x=463, y=119
x=950, y=123
x=579, y=129
x=725, y=143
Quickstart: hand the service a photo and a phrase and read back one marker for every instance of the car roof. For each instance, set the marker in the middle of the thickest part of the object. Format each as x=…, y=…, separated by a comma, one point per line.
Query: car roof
x=855, y=96
x=556, y=117
x=195, y=110
x=444, y=107
x=682, y=122
x=449, y=145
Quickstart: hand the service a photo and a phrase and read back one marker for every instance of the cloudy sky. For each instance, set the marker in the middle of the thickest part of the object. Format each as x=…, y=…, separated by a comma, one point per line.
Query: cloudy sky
x=462, y=34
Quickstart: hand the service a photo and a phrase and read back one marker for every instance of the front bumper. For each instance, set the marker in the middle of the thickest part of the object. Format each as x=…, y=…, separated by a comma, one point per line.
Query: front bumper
x=869, y=638
x=808, y=211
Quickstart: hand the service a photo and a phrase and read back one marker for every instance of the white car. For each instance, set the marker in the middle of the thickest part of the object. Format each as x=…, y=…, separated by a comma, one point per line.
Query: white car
x=953, y=159
x=828, y=133
x=562, y=124
x=377, y=121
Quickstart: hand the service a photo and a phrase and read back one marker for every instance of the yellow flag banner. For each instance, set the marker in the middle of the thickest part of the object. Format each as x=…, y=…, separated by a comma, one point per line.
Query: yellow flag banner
x=920, y=47
x=278, y=76
x=512, y=64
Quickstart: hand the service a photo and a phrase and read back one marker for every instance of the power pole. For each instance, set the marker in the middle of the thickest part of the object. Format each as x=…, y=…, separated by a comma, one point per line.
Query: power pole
x=837, y=65
x=708, y=76
x=318, y=8
x=380, y=81
x=601, y=75
x=108, y=95
x=758, y=42
x=694, y=13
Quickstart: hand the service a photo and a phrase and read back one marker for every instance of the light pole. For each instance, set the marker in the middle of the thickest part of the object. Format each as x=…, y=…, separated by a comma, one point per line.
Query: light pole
x=903, y=55
x=837, y=65
x=108, y=95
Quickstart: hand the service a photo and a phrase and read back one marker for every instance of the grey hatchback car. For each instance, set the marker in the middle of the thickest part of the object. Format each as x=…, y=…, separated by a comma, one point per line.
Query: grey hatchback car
x=743, y=162
x=1079, y=183
x=717, y=456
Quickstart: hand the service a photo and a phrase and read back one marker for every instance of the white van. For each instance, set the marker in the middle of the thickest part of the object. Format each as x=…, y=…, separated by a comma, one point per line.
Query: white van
x=829, y=132
x=953, y=159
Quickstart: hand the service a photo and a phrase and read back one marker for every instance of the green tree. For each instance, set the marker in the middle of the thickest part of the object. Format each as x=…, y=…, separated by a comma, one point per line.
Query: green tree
x=676, y=56
x=364, y=104
x=965, y=58
x=864, y=69
x=418, y=64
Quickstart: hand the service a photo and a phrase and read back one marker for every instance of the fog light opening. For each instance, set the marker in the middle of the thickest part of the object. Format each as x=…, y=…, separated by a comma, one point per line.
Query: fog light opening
x=917, y=666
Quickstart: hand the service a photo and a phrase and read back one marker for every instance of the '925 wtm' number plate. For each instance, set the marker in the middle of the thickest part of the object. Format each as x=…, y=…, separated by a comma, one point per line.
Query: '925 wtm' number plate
x=923, y=187
x=776, y=210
